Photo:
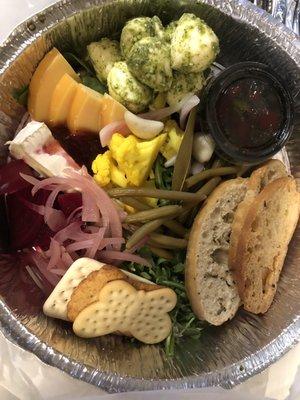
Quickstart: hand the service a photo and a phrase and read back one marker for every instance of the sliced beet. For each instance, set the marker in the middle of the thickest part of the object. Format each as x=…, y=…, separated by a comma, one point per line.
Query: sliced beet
x=68, y=202
x=25, y=225
x=10, y=179
x=18, y=289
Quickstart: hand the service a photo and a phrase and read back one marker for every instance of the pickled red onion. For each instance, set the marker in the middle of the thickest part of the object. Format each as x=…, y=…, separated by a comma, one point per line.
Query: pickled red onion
x=106, y=133
x=186, y=108
x=103, y=240
x=167, y=111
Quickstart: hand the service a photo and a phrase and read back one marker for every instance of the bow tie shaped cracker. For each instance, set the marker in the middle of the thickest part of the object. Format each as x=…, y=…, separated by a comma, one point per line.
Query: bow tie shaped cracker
x=122, y=308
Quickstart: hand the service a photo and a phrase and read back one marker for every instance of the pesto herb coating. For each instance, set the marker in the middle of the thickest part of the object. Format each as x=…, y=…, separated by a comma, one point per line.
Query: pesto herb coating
x=183, y=84
x=126, y=89
x=137, y=29
x=170, y=29
x=194, y=45
x=103, y=55
x=149, y=62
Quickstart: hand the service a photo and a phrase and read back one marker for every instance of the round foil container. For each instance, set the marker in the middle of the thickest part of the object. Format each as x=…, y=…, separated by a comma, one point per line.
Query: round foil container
x=223, y=356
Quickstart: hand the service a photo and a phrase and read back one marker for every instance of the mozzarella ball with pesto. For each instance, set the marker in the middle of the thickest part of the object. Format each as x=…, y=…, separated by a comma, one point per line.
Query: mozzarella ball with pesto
x=126, y=89
x=149, y=62
x=133, y=31
x=170, y=29
x=194, y=45
x=159, y=30
x=103, y=55
x=183, y=84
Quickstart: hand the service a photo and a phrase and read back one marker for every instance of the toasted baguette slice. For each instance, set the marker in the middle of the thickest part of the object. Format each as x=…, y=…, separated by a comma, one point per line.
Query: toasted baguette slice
x=210, y=286
x=259, y=179
x=267, y=231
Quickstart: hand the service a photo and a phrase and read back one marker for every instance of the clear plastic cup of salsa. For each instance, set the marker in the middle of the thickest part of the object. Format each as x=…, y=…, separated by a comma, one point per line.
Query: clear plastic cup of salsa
x=248, y=111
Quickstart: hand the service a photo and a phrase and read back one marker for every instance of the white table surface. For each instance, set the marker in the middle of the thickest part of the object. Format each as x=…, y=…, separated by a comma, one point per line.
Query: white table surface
x=24, y=377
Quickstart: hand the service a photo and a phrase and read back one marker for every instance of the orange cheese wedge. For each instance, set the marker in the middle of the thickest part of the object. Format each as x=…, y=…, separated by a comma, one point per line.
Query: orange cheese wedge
x=85, y=112
x=61, y=100
x=49, y=71
x=111, y=111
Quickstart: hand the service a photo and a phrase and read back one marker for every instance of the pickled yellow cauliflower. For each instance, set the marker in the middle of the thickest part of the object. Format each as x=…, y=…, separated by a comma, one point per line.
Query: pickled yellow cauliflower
x=149, y=61
x=103, y=55
x=194, y=45
x=106, y=171
x=183, y=84
x=173, y=141
x=127, y=90
x=137, y=29
x=135, y=157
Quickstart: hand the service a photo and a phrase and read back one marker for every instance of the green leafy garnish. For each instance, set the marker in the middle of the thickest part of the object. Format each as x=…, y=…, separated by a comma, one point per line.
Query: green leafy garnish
x=170, y=273
x=78, y=63
x=21, y=95
x=86, y=72
x=163, y=175
x=93, y=83
x=163, y=178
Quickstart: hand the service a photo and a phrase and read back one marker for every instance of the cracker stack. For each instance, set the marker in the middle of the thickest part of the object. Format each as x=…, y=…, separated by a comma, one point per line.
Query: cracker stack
x=100, y=299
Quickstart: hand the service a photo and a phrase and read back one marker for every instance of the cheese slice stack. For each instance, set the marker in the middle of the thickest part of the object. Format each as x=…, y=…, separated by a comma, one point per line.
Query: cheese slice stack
x=57, y=98
x=43, y=83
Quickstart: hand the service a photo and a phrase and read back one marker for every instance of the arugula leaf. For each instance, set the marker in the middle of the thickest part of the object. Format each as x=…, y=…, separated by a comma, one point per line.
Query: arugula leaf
x=170, y=273
x=21, y=95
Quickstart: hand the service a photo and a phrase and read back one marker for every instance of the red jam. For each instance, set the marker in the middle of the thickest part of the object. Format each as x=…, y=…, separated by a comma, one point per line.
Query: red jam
x=83, y=147
x=250, y=112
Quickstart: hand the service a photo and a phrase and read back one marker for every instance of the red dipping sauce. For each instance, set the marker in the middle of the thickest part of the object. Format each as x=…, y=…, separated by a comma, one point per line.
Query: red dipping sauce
x=250, y=112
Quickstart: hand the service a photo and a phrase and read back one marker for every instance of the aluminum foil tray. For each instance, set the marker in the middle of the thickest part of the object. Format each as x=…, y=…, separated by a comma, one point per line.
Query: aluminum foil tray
x=224, y=356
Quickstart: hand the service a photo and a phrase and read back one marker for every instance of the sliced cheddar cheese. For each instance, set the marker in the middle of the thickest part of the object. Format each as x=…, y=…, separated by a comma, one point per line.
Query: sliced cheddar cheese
x=43, y=82
x=61, y=100
x=85, y=112
x=111, y=111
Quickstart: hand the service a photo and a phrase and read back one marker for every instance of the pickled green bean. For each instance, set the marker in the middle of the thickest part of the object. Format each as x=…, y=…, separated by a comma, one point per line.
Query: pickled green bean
x=143, y=231
x=154, y=213
x=209, y=173
x=205, y=190
x=217, y=163
x=176, y=227
x=162, y=253
x=172, y=225
x=243, y=169
x=138, y=205
x=184, y=155
x=167, y=242
x=156, y=193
